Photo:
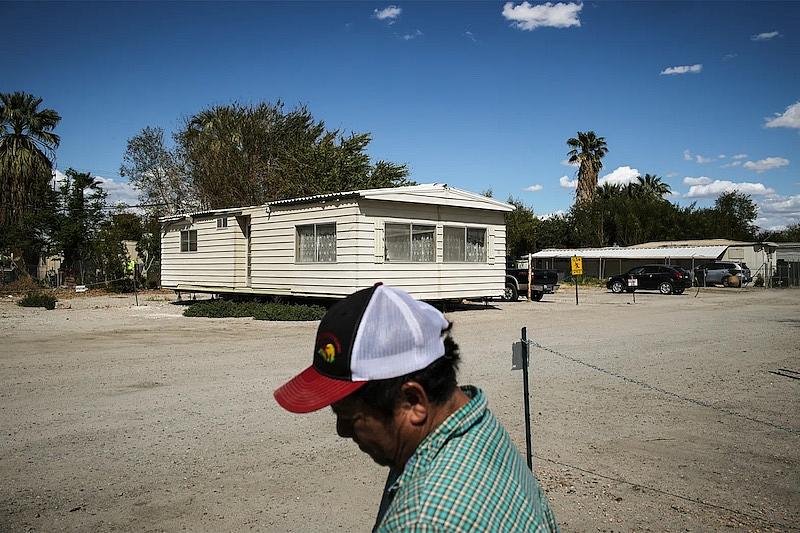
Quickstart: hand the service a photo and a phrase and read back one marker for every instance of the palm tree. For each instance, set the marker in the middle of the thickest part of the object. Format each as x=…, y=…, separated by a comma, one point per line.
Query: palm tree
x=27, y=150
x=653, y=185
x=587, y=151
x=607, y=191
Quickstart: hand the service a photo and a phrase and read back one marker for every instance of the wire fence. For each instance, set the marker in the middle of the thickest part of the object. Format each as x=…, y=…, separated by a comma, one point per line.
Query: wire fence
x=680, y=397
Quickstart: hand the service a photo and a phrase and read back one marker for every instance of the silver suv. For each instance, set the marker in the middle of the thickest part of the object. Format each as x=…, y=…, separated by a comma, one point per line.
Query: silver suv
x=721, y=272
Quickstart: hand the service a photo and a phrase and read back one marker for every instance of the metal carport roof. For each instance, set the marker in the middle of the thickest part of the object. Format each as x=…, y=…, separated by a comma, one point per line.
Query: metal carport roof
x=682, y=252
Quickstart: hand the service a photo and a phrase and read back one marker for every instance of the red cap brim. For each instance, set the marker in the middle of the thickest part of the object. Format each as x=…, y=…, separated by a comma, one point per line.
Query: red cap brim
x=310, y=391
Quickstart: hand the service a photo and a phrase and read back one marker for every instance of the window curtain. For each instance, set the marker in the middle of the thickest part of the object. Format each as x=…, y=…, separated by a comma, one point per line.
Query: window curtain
x=453, y=244
x=305, y=244
x=422, y=244
x=398, y=245
x=326, y=243
x=476, y=245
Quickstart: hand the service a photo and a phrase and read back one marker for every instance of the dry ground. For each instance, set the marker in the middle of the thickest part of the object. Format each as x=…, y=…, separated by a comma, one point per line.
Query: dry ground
x=124, y=418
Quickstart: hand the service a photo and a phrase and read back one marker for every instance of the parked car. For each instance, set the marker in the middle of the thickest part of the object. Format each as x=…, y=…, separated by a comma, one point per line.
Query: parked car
x=720, y=272
x=663, y=278
x=544, y=281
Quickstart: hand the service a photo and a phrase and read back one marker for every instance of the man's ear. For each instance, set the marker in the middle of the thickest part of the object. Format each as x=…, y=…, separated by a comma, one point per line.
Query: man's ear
x=414, y=401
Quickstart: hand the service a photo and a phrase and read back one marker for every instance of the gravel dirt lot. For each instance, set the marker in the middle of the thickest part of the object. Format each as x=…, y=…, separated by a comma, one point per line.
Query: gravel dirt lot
x=656, y=416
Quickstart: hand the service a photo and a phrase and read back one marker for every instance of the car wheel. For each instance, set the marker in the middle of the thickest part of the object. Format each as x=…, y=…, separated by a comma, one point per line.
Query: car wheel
x=617, y=287
x=510, y=293
x=665, y=287
x=678, y=291
x=537, y=296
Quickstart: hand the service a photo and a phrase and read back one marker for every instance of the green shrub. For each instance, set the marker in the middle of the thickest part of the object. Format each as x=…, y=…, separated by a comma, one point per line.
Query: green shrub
x=289, y=312
x=257, y=310
x=38, y=299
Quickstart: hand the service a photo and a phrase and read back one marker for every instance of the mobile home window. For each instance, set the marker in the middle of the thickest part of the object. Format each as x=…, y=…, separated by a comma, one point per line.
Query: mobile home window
x=189, y=240
x=222, y=222
x=316, y=243
x=410, y=242
x=464, y=244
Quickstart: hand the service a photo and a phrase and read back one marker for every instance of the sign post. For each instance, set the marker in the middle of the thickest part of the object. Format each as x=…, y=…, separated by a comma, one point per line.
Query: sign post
x=577, y=270
x=632, y=284
x=520, y=355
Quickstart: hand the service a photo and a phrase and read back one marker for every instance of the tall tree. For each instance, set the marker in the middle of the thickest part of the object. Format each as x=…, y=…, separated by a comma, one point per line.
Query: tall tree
x=248, y=155
x=81, y=217
x=27, y=150
x=158, y=172
x=520, y=229
x=652, y=185
x=735, y=216
x=587, y=151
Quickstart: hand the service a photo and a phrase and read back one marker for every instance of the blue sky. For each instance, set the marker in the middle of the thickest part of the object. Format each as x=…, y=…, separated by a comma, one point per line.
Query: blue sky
x=478, y=95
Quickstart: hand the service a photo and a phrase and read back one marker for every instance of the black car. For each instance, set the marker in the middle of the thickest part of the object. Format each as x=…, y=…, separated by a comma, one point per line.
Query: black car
x=665, y=279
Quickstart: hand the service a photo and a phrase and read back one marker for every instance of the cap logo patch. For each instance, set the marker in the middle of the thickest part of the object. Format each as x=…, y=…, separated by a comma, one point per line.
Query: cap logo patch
x=329, y=347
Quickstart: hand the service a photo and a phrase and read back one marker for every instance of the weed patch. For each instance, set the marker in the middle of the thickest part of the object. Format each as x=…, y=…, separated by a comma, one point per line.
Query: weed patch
x=257, y=310
x=38, y=299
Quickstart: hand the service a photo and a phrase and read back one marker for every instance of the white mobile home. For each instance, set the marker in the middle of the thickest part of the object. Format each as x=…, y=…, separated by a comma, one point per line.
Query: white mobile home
x=434, y=241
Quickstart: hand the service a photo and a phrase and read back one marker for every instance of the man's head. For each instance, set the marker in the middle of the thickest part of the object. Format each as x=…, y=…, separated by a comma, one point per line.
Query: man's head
x=382, y=363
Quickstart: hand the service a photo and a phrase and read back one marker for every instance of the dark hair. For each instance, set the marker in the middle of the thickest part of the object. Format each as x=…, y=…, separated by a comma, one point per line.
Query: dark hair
x=438, y=379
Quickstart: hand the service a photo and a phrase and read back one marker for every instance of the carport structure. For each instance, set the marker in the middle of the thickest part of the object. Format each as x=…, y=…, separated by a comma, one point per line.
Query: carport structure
x=604, y=262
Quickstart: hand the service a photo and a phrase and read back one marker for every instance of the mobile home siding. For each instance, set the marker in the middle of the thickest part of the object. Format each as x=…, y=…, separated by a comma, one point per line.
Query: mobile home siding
x=220, y=262
x=212, y=264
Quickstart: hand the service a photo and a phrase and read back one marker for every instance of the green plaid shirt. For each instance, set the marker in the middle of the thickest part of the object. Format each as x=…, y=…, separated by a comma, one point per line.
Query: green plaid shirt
x=466, y=475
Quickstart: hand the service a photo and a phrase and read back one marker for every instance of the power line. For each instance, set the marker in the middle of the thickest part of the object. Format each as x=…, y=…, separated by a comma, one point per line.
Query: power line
x=654, y=388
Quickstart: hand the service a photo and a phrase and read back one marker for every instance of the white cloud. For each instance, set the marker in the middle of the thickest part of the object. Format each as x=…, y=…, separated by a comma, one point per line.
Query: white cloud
x=567, y=183
x=620, y=176
x=721, y=156
x=533, y=188
x=739, y=156
x=410, y=36
x=566, y=163
x=715, y=188
x=788, y=119
x=728, y=57
x=777, y=211
x=688, y=156
x=119, y=191
x=683, y=69
x=529, y=17
x=732, y=164
x=471, y=36
x=762, y=165
x=702, y=180
x=389, y=14
x=547, y=216
x=764, y=36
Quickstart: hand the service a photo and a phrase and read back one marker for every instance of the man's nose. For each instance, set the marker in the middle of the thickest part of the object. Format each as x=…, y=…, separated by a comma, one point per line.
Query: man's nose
x=344, y=428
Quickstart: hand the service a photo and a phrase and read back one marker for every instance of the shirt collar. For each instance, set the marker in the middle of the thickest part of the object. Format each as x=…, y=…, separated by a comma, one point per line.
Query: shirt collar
x=456, y=424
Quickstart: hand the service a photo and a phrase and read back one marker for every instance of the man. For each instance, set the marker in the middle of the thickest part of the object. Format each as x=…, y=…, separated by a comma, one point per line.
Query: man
x=386, y=365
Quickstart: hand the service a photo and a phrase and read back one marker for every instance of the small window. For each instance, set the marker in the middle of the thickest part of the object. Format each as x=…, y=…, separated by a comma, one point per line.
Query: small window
x=464, y=244
x=636, y=271
x=189, y=240
x=410, y=242
x=316, y=243
x=222, y=222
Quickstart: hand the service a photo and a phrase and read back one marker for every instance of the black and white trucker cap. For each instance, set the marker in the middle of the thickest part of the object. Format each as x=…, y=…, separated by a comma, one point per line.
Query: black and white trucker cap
x=376, y=333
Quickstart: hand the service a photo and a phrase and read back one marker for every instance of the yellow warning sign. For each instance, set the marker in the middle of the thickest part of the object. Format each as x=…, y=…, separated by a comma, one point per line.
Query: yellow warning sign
x=577, y=265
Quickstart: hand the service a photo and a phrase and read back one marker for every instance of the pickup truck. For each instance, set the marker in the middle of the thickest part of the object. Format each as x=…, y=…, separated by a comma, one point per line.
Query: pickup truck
x=544, y=281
